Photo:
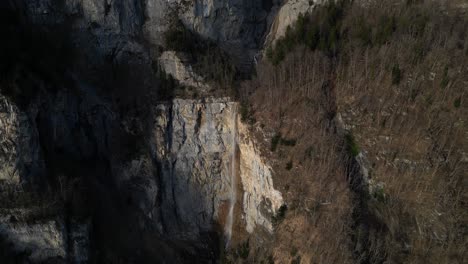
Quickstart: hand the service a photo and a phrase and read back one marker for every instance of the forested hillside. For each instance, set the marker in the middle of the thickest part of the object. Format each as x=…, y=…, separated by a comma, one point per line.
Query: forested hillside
x=364, y=105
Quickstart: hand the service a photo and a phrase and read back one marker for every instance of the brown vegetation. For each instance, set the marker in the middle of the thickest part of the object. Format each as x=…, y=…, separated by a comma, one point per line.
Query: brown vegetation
x=397, y=76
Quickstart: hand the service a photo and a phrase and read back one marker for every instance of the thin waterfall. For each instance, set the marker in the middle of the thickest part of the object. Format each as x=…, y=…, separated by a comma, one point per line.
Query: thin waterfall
x=233, y=191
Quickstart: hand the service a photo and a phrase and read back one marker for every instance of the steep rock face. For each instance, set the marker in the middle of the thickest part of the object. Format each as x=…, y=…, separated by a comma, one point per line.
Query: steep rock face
x=20, y=153
x=182, y=181
x=181, y=71
x=43, y=240
x=100, y=37
x=130, y=32
x=196, y=147
x=287, y=15
x=204, y=159
x=35, y=141
x=46, y=240
x=237, y=26
x=159, y=16
x=260, y=200
x=79, y=237
x=117, y=17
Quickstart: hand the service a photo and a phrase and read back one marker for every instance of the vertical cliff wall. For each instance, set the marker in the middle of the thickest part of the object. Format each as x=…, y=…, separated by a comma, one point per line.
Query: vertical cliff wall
x=163, y=172
x=20, y=153
x=194, y=145
x=260, y=199
x=193, y=148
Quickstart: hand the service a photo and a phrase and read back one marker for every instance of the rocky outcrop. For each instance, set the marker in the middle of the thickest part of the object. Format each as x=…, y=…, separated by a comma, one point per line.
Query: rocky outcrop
x=194, y=145
x=181, y=70
x=171, y=171
x=34, y=142
x=287, y=15
x=20, y=153
x=46, y=240
x=200, y=149
x=159, y=16
x=79, y=237
x=43, y=241
x=107, y=28
x=239, y=27
x=260, y=201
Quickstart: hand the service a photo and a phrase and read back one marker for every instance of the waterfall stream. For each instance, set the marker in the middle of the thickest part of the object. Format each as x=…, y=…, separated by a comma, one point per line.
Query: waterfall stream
x=233, y=191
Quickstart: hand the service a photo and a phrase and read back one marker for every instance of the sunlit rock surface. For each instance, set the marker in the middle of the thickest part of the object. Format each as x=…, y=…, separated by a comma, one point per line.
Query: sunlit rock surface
x=287, y=16
x=194, y=149
x=260, y=201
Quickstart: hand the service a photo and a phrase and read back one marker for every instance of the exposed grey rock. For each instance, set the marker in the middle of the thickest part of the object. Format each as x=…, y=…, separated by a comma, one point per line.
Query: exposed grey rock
x=80, y=241
x=20, y=153
x=193, y=142
x=238, y=26
x=172, y=64
x=194, y=146
x=42, y=240
x=159, y=15
x=46, y=239
x=261, y=201
x=181, y=184
x=49, y=123
x=287, y=16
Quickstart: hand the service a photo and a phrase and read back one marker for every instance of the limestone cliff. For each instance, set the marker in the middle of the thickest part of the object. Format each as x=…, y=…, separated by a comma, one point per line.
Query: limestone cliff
x=260, y=200
x=194, y=145
x=20, y=153
x=287, y=15
x=181, y=70
x=93, y=164
x=201, y=157
x=238, y=26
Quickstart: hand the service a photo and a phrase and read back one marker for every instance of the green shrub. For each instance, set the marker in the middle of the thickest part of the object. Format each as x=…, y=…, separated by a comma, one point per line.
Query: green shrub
x=271, y=260
x=278, y=139
x=300, y=26
x=419, y=52
x=385, y=29
x=279, y=52
x=445, y=78
x=288, y=142
x=312, y=37
x=418, y=23
x=178, y=38
x=379, y=195
x=310, y=152
x=275, y=141
x=362, y=31
x=321, y=31
x=297, y=260
x=244, y=250
x=293, y=251
x=209, y=60
x=396, y=74
x=269, y=52
x=351, y=145
x=246, y=113
x=280, y=215
x=457, y=102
